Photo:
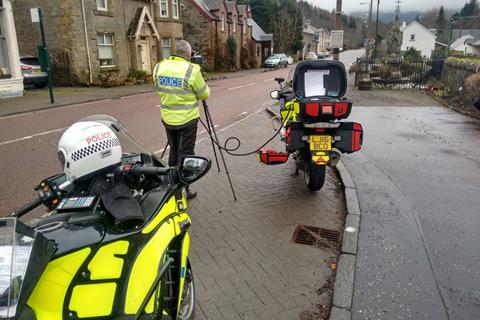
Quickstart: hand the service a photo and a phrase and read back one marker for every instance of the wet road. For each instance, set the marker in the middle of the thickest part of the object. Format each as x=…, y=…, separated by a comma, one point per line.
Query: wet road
x=418, y=183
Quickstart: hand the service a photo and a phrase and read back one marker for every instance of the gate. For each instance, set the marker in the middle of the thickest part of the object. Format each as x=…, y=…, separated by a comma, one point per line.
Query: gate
x=403, y=74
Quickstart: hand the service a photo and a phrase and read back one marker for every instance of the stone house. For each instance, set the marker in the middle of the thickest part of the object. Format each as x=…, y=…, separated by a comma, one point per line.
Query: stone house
x=262, y=42
x=11, y=79
x=208, y=24
x=101, y=41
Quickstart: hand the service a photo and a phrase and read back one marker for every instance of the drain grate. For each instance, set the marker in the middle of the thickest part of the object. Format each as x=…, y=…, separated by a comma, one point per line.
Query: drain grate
x=313, y=236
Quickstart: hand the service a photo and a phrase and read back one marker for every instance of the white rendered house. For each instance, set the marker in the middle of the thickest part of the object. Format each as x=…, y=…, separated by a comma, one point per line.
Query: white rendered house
x=11, y=79
x=415, y=35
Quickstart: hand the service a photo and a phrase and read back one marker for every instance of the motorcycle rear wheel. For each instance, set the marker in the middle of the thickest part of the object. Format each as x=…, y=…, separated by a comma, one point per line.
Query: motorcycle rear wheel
x=187, y=305
x=315, y=176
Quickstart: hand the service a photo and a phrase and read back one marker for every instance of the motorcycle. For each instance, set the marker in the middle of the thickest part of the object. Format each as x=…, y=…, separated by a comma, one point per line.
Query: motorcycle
x=311, y=104
x=82, y=262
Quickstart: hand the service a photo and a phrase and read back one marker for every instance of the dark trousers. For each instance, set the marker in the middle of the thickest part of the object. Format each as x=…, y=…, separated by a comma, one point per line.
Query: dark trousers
x=182, y=143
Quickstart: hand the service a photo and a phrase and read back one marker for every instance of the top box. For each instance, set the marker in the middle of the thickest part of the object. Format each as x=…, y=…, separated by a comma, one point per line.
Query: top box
x=320, y=79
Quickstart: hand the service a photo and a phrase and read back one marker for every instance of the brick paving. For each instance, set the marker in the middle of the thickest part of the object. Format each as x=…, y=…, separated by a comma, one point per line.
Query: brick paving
x=244, y=263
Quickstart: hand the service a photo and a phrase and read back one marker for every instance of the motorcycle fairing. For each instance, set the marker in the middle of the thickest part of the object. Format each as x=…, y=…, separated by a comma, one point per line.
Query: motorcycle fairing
x=48, y=297
x=97, y=282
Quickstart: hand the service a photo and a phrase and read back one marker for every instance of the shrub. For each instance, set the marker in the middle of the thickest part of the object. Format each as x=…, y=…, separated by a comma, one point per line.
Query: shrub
x=232, y=52
x=412, y=55
x=472, y=88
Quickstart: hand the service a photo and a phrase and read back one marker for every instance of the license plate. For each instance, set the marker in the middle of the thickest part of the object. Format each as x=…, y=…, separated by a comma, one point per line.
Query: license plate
x=320, y=143
x=37, y=70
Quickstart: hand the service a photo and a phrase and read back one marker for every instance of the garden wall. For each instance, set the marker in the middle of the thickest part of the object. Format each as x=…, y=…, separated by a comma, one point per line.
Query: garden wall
x=456, y=70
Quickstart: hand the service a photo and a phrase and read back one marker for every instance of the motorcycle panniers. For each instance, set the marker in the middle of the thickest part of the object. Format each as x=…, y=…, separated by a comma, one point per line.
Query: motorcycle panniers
x=348, y=137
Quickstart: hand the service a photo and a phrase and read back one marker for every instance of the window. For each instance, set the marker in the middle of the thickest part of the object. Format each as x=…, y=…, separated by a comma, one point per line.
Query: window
x=4, y=63
x=165, y=48
x=163, y=8
x=244, y=26
x=258, y=51
x=106, y=53
x=102, y=5
x=223, y=22
x=175, y=9
x=234, y=23
x=412, y=37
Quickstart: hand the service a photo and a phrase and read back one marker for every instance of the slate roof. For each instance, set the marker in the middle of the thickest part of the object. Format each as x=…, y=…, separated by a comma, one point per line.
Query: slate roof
x=213, y=4
x=257, y=33
x=457, y=33
x=205, y=8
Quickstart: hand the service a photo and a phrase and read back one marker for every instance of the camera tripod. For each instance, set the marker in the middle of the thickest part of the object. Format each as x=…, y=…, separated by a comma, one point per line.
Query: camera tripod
x=210, y=127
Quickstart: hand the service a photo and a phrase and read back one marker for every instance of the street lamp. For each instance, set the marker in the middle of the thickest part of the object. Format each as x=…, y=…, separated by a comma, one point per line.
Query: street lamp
x=370, y=4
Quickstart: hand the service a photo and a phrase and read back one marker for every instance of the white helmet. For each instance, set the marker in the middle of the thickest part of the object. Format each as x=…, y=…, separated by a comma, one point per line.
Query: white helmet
x=86, y=148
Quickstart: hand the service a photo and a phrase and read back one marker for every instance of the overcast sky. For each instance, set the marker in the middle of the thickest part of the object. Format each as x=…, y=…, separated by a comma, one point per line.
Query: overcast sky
x=389, y=5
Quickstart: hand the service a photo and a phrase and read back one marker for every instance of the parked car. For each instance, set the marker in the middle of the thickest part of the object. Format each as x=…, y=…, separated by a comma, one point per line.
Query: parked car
x=321, y=55
x=311, y=56
x=276, y=60
x=32, y=72
x=290, y=60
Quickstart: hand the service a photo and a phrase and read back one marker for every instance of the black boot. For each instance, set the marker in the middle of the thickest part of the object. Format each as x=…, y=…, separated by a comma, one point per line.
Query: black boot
x=190, y=194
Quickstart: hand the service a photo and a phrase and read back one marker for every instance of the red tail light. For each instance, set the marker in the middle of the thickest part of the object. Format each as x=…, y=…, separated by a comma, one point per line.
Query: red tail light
x=312, y=109
x=26, y=68
x=341, y=108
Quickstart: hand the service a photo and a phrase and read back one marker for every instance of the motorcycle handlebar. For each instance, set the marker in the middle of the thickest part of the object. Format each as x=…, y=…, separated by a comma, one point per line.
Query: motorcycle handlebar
x=27, y=208
x=158, y=171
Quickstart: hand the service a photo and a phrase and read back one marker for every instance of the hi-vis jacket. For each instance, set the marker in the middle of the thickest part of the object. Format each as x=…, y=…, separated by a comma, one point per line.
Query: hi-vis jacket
x=180, y=85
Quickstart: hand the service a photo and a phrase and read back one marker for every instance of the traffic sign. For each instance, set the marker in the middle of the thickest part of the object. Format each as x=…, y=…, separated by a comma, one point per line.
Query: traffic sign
x=35, y=15
x=336, y=39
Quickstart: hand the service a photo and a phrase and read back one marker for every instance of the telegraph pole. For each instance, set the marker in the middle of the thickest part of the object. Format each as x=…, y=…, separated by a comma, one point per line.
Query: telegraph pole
x=376, y=31
x=338, y=26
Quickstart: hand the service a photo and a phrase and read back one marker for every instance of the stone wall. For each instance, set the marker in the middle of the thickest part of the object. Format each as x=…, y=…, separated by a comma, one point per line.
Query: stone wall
x=454, y=73
x=199, y=31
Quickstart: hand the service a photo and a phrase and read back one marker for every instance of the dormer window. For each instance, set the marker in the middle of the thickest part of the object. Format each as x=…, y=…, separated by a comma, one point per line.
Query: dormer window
x=244, y=26
x=102, y=5
x=222, y=27
x=234, y=23
x=164, y=8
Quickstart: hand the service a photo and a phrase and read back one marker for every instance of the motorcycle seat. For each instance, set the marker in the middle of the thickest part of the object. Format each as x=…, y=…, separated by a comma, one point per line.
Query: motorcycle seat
x=151, y=200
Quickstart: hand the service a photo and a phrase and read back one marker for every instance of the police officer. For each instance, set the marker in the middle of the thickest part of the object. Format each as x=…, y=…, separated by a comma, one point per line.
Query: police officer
x=180, y=85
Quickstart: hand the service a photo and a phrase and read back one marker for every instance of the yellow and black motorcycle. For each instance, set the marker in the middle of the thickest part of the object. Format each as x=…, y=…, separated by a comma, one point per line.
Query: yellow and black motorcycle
x=311, y=104
x=84, y=262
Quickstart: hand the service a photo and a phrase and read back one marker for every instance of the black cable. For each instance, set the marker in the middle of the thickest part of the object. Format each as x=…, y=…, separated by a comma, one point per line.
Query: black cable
x=239, y=143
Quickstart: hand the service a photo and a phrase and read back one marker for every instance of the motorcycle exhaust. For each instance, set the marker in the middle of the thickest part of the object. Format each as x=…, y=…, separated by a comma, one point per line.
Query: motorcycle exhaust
x=334, y=158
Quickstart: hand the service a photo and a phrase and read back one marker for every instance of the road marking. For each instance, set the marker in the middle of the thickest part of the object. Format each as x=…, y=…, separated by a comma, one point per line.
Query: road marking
x=32, y=136
x=51, y=108
x=157, y=106
x=266, y=80
x=245, y=85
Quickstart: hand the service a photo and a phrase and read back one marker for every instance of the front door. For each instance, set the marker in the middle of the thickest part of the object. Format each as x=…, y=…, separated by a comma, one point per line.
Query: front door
x=145, y=57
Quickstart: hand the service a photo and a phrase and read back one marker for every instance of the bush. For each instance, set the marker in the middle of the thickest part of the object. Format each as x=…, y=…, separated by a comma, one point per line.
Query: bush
x=138, y=76
x=232, y=52
x=412, y=55
x=472, y=88
x=385, y=72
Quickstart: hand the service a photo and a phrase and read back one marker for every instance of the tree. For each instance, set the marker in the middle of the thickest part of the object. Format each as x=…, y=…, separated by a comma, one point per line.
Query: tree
x=441, y=24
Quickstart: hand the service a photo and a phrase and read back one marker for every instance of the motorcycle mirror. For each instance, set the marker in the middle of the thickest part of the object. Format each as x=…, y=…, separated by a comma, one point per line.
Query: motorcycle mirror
x=275, y=94
x=280, y=80
x=193, y=168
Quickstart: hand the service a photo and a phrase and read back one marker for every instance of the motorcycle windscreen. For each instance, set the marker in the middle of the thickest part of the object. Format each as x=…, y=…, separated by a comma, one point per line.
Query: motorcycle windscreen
x=23, y=256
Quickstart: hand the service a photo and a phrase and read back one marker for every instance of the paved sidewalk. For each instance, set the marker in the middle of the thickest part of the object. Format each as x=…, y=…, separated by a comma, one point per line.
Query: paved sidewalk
x=38, y=99
x=244, y=262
